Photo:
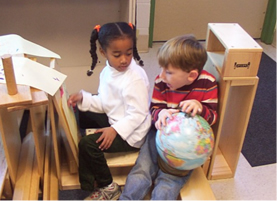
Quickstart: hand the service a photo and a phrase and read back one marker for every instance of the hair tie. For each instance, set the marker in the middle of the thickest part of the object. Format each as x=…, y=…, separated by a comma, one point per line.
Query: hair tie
x=131, y=25
x=97, y=27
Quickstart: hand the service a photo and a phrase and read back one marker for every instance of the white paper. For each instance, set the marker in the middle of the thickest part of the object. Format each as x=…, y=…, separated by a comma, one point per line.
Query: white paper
x=69, y=115
x=13, y=44
x=34, y=74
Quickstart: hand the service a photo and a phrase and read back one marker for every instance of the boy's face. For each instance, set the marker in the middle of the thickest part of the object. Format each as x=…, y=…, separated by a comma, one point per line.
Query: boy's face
x=176, y=78
x=119, y=53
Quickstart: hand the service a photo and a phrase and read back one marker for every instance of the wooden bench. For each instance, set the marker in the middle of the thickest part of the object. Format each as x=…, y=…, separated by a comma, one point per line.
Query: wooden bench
x=120, y=164
x=197, y=187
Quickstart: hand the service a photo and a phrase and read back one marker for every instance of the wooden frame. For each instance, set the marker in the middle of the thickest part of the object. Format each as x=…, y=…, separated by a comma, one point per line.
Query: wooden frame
x=234, y=58
x=25, y=179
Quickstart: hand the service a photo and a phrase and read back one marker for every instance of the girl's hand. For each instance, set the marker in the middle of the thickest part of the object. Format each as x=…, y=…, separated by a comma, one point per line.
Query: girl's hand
x=163, y=115
x=74, y=99
x=191, y=106
x=107, y=137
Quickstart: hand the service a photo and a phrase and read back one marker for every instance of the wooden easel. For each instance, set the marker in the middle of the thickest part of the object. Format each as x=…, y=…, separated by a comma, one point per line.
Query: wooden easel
x=57, y=118
x=26, y=177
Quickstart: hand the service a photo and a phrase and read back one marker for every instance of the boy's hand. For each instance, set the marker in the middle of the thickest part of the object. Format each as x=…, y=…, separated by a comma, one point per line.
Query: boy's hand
x=74, y=99
x=163, y=115
x=191, y=106
x=107, y=137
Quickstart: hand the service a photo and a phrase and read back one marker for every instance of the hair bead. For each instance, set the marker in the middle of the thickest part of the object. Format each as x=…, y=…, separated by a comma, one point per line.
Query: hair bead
x=131, y=25
x=97, y=27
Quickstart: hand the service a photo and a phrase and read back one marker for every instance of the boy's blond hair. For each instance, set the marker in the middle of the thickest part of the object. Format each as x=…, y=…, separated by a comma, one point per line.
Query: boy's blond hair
x=183, y=52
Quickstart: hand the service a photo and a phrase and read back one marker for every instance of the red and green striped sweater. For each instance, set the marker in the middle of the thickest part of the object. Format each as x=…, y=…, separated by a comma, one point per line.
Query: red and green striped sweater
x=204, y=89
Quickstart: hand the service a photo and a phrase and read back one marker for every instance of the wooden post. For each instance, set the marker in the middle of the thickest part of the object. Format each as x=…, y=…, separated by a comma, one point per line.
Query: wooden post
x=9, y=75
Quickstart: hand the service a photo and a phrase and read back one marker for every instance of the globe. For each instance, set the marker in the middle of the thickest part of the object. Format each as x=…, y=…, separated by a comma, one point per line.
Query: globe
x=186, y=142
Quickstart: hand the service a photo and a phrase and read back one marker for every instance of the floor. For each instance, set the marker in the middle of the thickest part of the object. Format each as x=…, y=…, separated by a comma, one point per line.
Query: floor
x=257, y=183
x=249, y=183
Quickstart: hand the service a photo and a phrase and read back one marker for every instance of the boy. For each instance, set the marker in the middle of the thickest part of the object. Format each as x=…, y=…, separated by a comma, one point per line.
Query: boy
x=184, y=86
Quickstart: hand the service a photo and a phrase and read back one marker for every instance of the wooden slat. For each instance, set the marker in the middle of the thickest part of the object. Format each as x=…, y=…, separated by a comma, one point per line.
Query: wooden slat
x=197, y=187
x=3, y=172
x=24, y=174
x=7, y=191
x=73, y=168
x=51, y=182
x=9, y=130
x=23, y=96
x=46, y=181
x=54, y=183
x=35, y=181
x=3, y=167
x=206, y=166
x=37, y=116
x=64, y=123
x=55, y=136
x=38, y=98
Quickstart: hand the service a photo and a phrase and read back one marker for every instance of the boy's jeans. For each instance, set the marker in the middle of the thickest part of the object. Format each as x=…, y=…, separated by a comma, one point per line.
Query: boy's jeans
x=146, y=171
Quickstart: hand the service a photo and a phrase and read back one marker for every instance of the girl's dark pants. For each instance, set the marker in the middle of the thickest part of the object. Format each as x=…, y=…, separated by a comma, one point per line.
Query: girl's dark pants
x=92, y=163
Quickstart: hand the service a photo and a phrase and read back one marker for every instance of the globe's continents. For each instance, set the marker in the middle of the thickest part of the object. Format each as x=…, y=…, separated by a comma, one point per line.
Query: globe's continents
x=185, y=142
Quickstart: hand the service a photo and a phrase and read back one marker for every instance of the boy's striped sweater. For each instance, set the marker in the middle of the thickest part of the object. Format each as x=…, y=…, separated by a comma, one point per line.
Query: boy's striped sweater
x=204, y=89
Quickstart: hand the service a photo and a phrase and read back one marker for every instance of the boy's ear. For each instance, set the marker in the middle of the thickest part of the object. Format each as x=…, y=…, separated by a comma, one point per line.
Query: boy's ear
x=193, y=75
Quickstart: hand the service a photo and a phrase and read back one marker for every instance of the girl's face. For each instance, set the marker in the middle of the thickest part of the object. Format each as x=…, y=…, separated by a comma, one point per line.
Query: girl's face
x=176, y=78
x=119, y=53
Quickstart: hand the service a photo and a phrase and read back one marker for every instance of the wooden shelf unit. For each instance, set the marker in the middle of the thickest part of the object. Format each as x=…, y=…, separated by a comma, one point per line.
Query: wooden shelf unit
x=233, y=58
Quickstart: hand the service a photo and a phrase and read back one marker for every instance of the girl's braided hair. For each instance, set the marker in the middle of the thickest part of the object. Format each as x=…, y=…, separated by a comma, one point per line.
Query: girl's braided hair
x=106, y=34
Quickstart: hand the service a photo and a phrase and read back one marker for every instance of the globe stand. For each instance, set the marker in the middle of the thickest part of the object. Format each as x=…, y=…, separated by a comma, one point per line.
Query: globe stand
x=169, y=170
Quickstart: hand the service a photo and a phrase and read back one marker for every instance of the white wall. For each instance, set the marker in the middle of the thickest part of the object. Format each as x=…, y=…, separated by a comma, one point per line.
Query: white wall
x=177, y=17
x=64, y=27
x=142, y=22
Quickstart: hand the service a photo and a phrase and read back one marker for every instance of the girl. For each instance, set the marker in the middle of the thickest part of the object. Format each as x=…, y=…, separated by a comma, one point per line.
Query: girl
x=120, y=109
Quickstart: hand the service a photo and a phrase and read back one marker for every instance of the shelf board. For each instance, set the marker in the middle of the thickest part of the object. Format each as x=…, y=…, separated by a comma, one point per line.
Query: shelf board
x=233, y=37
x=221, y=169
x=22, y=97
x=217, y=59
x=38, y=98
x=120, y=165
x=121, y=159
x=71, y=181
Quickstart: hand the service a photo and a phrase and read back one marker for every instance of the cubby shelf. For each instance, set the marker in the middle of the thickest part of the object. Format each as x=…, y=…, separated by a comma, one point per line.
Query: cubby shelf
x=233, y=58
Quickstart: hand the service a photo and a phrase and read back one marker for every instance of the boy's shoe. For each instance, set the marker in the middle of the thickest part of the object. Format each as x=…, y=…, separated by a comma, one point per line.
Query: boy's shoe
x=111, y=192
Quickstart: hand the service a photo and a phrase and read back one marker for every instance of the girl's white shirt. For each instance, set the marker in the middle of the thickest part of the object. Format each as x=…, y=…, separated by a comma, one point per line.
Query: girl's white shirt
x=124, y=97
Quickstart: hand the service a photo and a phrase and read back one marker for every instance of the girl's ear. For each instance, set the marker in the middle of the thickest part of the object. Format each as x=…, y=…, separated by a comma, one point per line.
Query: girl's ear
x=193, y=75
x=102, y=52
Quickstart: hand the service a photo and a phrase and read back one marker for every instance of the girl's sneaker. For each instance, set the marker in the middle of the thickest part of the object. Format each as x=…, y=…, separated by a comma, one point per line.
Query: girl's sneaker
x=110, y=192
